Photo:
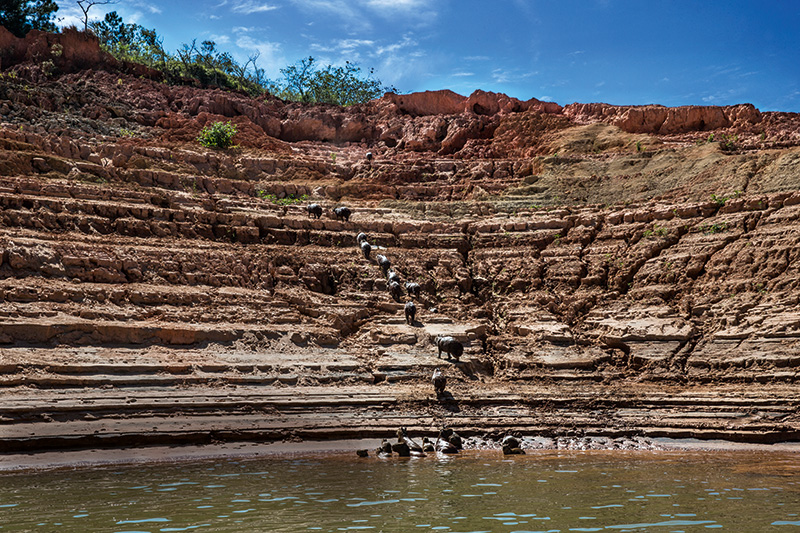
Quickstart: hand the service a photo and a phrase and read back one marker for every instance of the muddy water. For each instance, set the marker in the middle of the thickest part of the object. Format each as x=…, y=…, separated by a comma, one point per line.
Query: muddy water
x=544, y=491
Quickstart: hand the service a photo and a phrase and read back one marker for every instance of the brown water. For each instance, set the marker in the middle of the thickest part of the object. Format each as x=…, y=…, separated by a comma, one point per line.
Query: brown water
x=544, y=491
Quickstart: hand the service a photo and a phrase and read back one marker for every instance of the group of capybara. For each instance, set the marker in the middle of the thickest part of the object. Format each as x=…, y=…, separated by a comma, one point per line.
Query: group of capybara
x=449, y=345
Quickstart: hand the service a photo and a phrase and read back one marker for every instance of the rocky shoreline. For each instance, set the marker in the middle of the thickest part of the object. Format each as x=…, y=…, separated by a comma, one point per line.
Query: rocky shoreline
x=22, y=463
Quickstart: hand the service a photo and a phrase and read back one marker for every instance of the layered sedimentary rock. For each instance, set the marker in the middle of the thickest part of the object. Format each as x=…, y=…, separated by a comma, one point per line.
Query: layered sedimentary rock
x=609, y=270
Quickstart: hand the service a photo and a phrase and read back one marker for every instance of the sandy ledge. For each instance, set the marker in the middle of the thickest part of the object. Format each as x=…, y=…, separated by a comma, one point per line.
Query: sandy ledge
x=21, y=462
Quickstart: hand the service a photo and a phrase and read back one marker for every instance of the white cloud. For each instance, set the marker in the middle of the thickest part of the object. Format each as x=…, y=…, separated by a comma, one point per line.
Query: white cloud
x=501, y=76
x=335, y=6
x=350, y=49
x=155, y=10
x=510, y=76
x=139, y=4
x=348, y=45
x=396, y=5
x=248, y=7
x=462, y=74
x=412, y=13
x=356, y=15
x=316, y=47
x=724, y=97
x=352, y=16
x=220, y=39
x=406, y=42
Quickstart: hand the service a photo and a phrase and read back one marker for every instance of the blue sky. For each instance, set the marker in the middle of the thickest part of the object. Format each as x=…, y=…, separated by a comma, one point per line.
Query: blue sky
x=669, y=52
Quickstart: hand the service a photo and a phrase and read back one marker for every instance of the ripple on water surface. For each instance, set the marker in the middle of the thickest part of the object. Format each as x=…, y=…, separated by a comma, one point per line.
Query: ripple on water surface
x=470, y=493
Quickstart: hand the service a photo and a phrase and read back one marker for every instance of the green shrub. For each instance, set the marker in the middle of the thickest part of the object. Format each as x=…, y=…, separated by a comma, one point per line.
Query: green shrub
x=657, y=231
x=729, y=143
x=710, y=229
x=218, y=135
x=719, y=199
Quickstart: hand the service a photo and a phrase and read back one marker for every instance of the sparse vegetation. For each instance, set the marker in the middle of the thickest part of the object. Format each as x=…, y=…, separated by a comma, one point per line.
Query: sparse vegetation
x=290, y=199
x=205, y=64
x=717, y=227
x=342, y=85
x=721, y=200
x=656, y=231
x=729, y=143
x=210, y=67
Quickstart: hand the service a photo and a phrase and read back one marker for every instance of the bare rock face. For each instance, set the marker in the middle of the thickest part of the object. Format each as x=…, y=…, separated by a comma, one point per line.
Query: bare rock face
x=447, y=102
x=489, y=103
x=443, y=102
x=664, y=120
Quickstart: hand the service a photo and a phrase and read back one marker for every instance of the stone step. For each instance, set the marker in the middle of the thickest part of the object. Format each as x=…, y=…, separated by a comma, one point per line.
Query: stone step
x=79, y=332
x=373, y=418
x=55, y=381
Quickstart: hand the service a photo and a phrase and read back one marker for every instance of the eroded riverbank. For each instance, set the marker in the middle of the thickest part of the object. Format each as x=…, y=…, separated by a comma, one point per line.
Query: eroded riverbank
x=604, y=281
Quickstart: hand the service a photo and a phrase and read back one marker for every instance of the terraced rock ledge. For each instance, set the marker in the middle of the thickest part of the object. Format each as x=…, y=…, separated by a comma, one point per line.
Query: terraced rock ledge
x=605, y=281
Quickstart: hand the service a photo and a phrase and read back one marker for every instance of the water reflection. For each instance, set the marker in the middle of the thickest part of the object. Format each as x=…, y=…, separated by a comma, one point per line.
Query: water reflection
x=548, y=491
